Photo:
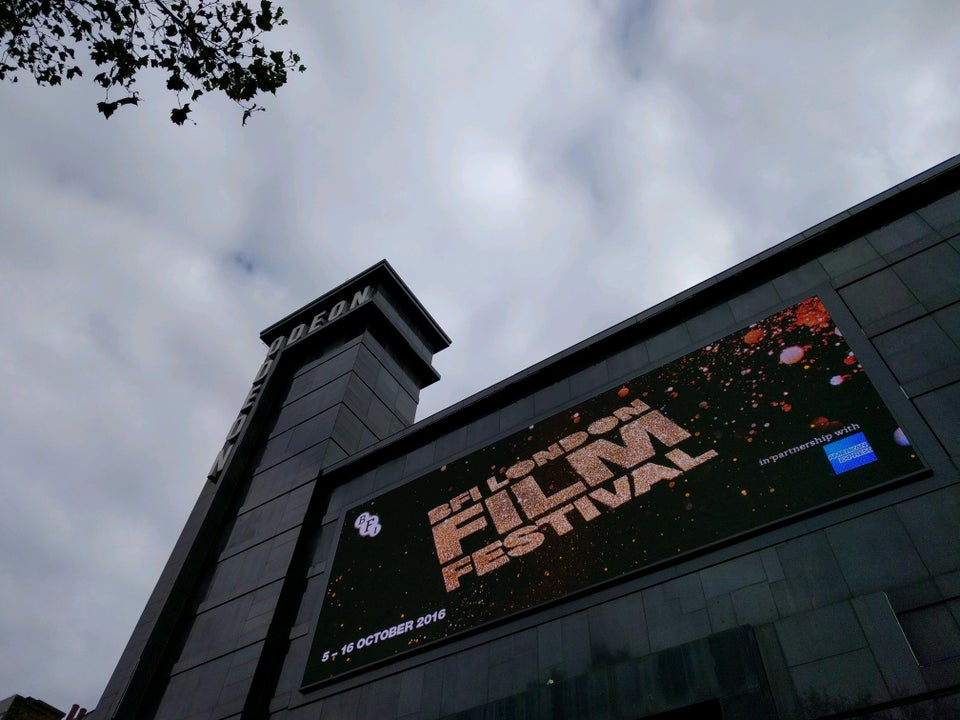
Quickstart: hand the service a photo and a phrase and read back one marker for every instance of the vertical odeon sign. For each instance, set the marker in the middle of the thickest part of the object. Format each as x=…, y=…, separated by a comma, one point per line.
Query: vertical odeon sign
x=320, y=320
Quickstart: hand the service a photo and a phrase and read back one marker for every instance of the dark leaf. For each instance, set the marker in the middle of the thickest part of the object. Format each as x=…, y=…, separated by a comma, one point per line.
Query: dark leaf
x=179, y=115
x=201, y=46
x=107, y=108
x=265, y=16
x=176, y=83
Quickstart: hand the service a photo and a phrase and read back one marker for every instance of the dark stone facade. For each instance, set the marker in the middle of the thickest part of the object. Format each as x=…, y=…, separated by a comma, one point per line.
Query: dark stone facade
x=851, y=611
x=17, y=707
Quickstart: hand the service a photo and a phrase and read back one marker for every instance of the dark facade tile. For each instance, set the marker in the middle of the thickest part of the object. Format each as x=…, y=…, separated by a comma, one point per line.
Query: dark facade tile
x=687, y=590
x=378, y=419
x=386, y=387
x=669, y=343
x=618, y=630
x=938, y=707
x=465, y=681
x=748, y=706
x=343, y=496
x=194, y=693
x=917, y=349
x=933, y=275
x=877, y=297
x=552, y=398
x=843, y=682
x=517, y=414
x=589, y=380
x=941, y=408
x=576, y=644
x=801, y=281
x=231, y=700
x=309, y=405
x=851, y=260
x=949, y=319
x=501, y=681
x=627, y=362
x=310, y=601
x=629, y=689
x=812, y=576
x=863, y=547
x=242, y=664
x=248, y=570
x=389, y=473
x=754, y=604
x=710, y=324
x=942, y=213
x=312, y=711
x=344, y=704
x=821, y=633
x=268, y=519
x=726, y=577
x=411, y=688
x=899, y=234
x=668, y=625
x=451, y=444
x=281, y=478
x=325, y=372
x=890, y=648
x=347, y=430
x=722, y=614
x=931, y=523
x=323, y=353
x=333, y=454
x=298, y=438
x=738, y=663
x=501, y=650
x=389, y=362
x=292, y=672
x=514, y=666
x=219, y=630
x=379, y=698
x=358, y=396
x=771, y=564
x=910, y=597
x=942, y=675
x=549, y=649
x=367, y=366
x=483, y=430
x=777, y=671
x=406, y=408
x=419, y=460
x=949, y=584
x=754, y=303
x=597, y=697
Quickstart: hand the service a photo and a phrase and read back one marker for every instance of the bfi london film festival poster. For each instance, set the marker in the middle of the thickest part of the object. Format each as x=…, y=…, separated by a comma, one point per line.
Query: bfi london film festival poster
x=765, y=423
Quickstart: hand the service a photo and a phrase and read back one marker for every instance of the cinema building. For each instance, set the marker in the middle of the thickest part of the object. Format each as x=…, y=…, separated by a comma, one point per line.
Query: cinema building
x=741, y=503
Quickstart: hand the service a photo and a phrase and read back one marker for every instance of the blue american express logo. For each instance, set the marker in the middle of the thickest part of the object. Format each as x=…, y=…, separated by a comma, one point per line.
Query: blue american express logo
x=849, y=453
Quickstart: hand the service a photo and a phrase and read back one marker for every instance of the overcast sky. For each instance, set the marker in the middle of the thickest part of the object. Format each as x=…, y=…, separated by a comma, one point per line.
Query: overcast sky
x=535, y=171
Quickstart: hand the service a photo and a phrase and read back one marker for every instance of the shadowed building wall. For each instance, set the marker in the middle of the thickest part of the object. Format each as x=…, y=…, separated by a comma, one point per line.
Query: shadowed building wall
x=847, y=606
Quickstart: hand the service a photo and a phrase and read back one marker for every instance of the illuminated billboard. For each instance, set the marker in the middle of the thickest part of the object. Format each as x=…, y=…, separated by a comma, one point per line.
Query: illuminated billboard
x=773, y=420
